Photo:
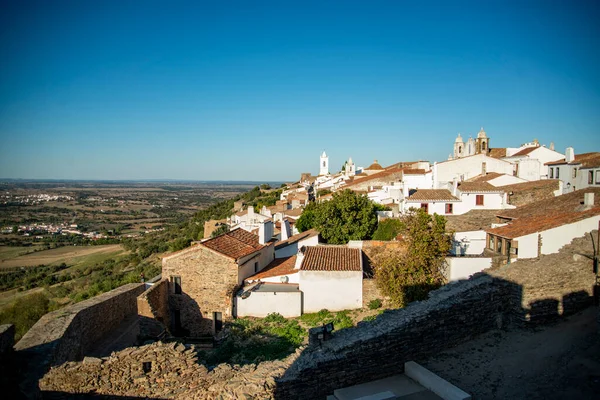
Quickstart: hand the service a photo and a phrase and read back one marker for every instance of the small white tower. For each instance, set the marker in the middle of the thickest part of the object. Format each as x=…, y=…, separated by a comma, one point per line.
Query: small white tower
x=324, y=166
x=459, y=147
x=350, y=168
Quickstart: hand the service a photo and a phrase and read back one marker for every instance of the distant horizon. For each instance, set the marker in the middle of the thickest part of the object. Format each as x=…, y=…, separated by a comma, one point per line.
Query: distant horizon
x=239, y=90
x=149, y=180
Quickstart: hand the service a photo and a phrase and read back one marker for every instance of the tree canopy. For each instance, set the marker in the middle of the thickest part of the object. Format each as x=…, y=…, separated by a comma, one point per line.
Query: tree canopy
x=409, y=275
x=347, y=216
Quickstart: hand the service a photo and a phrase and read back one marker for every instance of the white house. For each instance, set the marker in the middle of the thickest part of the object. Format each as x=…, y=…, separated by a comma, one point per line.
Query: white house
x=545, y=226
x=316, y=278
x=529, y=162
x=468, y=167
x=576, y=171
x=497, y=179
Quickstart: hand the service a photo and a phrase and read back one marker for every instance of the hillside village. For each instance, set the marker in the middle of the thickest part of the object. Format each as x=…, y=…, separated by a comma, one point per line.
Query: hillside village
x=503, y=205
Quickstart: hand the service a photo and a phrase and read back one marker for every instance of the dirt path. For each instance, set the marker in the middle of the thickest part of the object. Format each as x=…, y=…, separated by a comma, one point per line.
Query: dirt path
x=560, y=361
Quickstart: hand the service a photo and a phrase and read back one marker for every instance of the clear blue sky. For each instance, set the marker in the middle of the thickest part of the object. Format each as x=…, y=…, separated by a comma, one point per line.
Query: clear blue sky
x=255, y=90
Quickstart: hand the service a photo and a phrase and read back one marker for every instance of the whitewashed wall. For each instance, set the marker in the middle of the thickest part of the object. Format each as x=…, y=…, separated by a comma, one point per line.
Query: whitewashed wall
x=469, y=167
x=529, y=169
x=333, y=290
x=292, y=249
x=463, y=267
x=424, y=181
x=554, y=239
x=504, y=180
x=528, y=246
x=246, y=264
x=491, y=201
x=468, y=242
x=261, y=304
x=292, y=278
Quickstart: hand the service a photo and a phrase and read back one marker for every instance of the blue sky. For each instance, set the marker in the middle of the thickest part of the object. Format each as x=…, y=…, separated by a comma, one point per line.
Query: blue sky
x=255, y=90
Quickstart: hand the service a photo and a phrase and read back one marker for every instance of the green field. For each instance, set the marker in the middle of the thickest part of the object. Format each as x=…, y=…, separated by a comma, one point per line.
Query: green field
x=11, y=257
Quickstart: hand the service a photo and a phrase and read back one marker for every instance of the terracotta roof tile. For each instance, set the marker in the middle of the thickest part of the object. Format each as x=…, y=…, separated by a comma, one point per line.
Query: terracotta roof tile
x=525, y=151
x=531, y=185
x=587, y=160
x=414, y=172
x=331, y=258
x=374, y=166
x=277, y=267
x=296, y=238
x=377, y=175
x=547, y=214
x=485, y=178
x=235, y=244
x=478, y=187
x=498, y=152
x=432, y=195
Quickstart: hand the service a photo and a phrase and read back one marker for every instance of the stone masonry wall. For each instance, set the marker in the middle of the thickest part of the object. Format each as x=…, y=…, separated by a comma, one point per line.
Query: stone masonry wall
x=71, y=332
x=153, y=309
x=207, y=279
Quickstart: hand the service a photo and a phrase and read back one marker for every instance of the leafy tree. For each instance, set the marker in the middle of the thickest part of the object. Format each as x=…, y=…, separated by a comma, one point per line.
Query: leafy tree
x=409, y=275
x=347, y=216
x=224, y=228
x=388, y=229
x=307, y=219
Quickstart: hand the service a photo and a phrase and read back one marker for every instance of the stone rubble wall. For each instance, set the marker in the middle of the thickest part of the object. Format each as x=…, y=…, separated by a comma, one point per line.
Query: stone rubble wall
x=153, y=309
x=173, y=372
x=71, y=332
x=553, y=285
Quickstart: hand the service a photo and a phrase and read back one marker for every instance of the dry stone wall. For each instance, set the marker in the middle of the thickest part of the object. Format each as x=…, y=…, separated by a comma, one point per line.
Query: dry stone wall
x=71, y=332
x=153, y=309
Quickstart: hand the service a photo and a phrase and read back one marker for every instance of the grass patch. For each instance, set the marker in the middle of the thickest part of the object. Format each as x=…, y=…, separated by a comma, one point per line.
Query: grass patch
x=340, y=319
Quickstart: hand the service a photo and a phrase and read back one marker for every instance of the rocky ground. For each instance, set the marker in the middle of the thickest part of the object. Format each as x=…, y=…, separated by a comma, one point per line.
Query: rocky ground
x=166, y=371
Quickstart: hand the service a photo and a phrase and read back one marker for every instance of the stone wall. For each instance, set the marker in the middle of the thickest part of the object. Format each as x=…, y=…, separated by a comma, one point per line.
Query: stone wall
x=207, y=281
x=72, y=332
x=153, y=309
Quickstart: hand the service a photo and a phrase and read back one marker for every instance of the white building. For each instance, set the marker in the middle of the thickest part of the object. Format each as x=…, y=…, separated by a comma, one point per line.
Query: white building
x=544, y=227
x=320, y=277
x=324, y=164
x=468, y=167
x=529, y=162
x=576, y=171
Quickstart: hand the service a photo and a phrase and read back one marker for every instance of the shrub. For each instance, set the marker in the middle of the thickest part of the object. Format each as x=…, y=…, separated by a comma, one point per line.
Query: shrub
x=375, y=304
x=369, y=318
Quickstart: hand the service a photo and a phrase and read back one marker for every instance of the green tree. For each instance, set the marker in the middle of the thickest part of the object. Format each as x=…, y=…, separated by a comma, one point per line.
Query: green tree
x=347, y=216
x=224, y=228
x=307, y=219
x=388, y=229
x=408, y=275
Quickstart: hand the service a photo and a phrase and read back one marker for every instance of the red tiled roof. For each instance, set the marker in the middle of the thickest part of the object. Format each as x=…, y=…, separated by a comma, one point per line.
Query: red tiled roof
x=478, y=187
x=587, y=160
x=432, y=195
x=374, y=166
x=531, y=185
x=331, y=258
x=377, y=175
x=296, y=238
x=498, y=152
x=485, y=178
x=414, y=172
x=547, y=214
x=525, y=151
x=235, y=244
x=277, y=267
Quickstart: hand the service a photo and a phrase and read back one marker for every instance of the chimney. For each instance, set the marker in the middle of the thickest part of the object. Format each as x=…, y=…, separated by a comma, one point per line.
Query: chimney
x=434, y=175
x=569, y=154
x=300, y=257
x=250, y=213
x=285, y=229
x=588, y=200
x=551, y=146
x=265, y=232
x=454, y=186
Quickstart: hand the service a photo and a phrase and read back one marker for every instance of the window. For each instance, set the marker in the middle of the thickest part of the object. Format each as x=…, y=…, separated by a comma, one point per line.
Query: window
x=574, y=172
x=597, y=176
x=449, y=208
x=491, y=244
x=590, y=177
x=479, y=200
x=459, y=149
x=483, y=146
x=255, y=267
x=425, y=207
x=551, y=172
x=323, y=164
x=176, y=284
x=499, y=245
x=557, y=172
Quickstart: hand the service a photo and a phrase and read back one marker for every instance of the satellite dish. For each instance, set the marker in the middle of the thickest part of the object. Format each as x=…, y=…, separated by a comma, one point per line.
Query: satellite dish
x=284, y=279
